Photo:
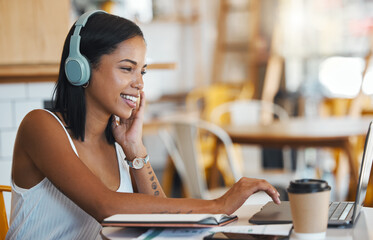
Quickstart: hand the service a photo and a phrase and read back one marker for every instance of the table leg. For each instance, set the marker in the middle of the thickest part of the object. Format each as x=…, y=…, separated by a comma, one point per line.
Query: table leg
x=168, y=177
x=168, y=181
x=353, y=169
x=213, y=180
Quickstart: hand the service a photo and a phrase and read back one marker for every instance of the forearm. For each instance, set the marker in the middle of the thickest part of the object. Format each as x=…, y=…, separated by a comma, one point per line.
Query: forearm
x=142, y=203
x=147, y=182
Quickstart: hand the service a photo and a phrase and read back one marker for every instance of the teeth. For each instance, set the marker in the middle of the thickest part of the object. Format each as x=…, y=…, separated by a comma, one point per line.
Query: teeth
x=132, y=98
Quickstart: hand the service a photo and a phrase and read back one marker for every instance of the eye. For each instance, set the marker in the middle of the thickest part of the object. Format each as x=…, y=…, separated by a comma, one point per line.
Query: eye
x=143, y=72
x=127, y=69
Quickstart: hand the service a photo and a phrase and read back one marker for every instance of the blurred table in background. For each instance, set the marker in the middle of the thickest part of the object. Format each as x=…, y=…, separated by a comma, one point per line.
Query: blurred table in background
x=313, y=132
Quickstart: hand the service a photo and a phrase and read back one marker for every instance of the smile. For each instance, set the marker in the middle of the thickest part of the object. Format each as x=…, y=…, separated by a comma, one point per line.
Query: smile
x=129, y=97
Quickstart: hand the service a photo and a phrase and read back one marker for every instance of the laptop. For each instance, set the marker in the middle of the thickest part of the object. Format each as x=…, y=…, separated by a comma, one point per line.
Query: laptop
x=340, y=213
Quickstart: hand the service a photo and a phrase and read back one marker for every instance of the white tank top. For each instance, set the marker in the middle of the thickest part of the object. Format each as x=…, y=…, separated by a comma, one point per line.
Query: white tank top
x=43, y=212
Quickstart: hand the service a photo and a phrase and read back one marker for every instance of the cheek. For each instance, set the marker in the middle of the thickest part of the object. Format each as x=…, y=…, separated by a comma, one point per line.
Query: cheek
x=99, y=89
x=105, y=82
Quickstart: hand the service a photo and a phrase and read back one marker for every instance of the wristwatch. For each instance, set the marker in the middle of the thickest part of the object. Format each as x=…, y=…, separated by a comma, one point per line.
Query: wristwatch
x=138, y=162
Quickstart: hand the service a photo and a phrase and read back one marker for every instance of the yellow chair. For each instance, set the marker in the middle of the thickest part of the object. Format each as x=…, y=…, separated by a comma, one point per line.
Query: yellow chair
x=203, y=100
x=3, y=219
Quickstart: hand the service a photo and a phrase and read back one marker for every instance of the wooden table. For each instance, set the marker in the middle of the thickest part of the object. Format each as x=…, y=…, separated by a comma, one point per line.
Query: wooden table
x=302, y=132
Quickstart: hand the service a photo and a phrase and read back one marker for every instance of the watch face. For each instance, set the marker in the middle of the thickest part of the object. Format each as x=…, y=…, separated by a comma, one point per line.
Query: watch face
x=138, y=163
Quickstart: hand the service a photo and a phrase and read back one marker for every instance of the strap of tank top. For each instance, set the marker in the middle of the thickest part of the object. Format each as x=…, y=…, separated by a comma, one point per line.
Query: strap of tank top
x=68, y=135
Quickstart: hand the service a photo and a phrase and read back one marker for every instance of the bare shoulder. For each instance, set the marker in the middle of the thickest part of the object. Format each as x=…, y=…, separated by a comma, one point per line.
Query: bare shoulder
x=36, y=117
x=40, y=128
x=36, y=133
x=36, y=123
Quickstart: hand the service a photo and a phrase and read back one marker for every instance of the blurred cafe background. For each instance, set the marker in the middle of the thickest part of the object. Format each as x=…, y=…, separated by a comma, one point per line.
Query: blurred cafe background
x=213, y=64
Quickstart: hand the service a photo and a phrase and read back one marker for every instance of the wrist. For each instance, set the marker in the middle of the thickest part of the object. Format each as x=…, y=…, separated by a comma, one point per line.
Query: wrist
x=218, y=205
x=132, y=153
x=138, y=163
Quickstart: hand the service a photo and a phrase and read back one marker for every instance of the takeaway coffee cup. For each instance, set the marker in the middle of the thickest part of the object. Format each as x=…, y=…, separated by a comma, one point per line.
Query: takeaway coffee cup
x=309, y=203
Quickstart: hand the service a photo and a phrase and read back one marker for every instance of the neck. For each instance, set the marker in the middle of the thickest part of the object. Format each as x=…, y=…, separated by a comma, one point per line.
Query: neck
x=96, y=122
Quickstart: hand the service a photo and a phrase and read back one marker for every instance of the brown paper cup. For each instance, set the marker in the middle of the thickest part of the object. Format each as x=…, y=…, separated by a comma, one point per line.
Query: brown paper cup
x=310, y=214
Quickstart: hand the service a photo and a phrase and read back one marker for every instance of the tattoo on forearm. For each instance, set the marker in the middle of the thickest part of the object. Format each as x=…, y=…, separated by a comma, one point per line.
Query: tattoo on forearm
x=177, y=212
x=154, y=184
x=163, y=212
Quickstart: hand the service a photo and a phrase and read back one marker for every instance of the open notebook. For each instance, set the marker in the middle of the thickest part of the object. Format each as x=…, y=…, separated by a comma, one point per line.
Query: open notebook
x=340, y=213
x=168, y=220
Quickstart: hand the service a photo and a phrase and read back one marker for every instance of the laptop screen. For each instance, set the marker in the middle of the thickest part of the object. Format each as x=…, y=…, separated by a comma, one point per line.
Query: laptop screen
x=364, y=175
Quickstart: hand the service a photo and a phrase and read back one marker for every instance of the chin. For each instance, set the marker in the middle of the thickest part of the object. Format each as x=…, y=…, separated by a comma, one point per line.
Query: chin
x=125, y=115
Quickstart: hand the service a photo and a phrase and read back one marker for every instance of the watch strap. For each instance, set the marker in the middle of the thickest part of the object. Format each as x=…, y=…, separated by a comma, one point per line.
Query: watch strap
x=144, y=160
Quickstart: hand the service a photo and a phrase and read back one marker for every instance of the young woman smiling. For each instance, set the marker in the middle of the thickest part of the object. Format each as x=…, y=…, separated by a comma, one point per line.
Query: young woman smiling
x=84, y=160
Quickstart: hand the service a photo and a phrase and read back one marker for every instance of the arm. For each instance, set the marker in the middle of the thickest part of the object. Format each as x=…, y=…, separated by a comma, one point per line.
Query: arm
x=146, y=181
x=43, y=143
x=42, y=149
x=128, y=133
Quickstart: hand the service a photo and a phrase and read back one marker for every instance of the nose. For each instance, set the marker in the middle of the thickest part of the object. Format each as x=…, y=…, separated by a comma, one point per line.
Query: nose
x=138, y=83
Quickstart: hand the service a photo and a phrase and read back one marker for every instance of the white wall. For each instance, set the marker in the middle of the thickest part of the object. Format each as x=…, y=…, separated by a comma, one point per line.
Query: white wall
x=189, y=44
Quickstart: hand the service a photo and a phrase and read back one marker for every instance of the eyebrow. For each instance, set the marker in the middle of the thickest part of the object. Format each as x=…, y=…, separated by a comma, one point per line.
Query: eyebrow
x=133, y=62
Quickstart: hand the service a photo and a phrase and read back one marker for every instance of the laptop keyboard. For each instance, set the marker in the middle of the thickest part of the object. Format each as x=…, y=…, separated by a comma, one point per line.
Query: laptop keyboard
x=339, y=210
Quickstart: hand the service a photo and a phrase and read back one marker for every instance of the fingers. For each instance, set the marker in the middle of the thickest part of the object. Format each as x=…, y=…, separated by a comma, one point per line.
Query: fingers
x=274, y=195
x=257, y=185
x=242, y=190
x=272, y=192
x=142, y=102
x=138, y=114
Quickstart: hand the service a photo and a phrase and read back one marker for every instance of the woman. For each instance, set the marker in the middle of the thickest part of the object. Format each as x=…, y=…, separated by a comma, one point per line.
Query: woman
x=69, y=171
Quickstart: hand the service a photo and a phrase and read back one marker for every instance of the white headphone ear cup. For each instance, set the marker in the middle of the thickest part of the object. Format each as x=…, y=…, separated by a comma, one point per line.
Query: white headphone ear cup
x=77, y=70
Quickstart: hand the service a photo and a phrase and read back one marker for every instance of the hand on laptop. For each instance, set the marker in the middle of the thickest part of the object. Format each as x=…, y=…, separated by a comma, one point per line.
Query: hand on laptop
x=243, y=189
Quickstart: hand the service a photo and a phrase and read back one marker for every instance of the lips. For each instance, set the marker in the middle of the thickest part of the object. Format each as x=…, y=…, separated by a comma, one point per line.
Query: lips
x=129, y=99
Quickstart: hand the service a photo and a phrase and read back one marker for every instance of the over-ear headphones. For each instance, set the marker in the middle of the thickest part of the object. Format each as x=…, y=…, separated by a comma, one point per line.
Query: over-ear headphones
x=77, y=67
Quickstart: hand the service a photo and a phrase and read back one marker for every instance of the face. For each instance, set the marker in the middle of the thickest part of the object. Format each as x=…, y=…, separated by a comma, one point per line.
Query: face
x=116, y=82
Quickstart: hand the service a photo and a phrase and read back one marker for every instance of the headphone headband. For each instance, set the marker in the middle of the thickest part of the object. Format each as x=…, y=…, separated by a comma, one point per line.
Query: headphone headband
x=82, y=20
x=77, y=67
